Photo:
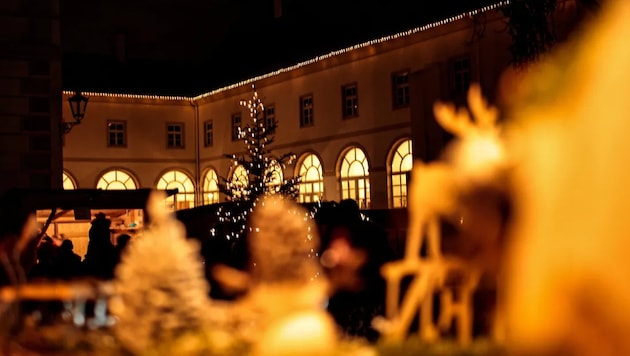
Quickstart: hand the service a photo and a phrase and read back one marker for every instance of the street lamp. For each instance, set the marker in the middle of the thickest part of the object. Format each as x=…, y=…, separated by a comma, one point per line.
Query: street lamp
x=78, y=103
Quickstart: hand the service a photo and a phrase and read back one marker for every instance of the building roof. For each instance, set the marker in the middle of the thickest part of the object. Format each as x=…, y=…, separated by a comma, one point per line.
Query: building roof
x=260, y=50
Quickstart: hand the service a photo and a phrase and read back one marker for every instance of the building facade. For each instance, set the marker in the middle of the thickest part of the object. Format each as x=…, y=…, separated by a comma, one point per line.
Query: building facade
x=355, y=119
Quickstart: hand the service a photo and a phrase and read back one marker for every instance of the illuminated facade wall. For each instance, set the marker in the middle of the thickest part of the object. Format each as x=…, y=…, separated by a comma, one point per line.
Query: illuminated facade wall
x=89, y=151
x=357, y=99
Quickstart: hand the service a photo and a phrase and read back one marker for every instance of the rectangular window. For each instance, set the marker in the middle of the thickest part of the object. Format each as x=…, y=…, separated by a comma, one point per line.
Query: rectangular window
x=350, y=101
x=208, y=133
x=175, y=135
x=400, y=89
x=270, y=118
x=461, y=75
x=116, y=133
x=306, y=110
x=236, y=127
x=399, y=190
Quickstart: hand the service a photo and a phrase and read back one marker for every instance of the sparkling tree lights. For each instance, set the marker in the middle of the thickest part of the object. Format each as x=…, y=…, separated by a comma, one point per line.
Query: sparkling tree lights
x=263, y=171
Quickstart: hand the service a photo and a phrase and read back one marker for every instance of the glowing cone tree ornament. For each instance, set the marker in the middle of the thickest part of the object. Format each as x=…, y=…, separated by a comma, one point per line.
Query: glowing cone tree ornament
x=161, y=290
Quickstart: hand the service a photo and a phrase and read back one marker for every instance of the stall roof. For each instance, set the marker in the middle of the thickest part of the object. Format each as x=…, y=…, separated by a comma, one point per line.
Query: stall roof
x=40, y=199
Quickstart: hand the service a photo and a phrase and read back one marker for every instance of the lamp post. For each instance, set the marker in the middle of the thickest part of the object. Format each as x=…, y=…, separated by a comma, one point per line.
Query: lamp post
x=78, y=104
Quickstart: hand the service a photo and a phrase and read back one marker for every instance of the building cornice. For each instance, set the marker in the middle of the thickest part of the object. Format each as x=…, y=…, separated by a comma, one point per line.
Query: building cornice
x=332, y=59
x=121, y=98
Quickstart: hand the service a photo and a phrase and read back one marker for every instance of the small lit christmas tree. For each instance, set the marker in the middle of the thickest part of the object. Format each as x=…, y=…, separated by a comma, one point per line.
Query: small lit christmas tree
x=262, y=169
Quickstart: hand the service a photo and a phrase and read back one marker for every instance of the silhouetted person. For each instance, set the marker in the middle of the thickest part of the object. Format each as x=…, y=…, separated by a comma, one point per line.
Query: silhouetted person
x=18, y=243
x=46, y=256
x=68, y=263
x=353, y=251
x=100, y=258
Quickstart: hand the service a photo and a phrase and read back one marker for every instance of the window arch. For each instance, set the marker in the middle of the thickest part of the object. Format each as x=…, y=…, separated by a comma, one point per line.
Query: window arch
x=312, y=179
x=175, y=179
x=116, y=179
x=400, y=164
x=69, y=183
x=355, y=177
x=275, y=178
x=211, y=187
x=239, y=181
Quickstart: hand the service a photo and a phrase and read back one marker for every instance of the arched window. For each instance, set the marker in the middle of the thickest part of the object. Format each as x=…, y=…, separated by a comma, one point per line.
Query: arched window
x=239, y=181
x=185, y=197
x=355, y=177
x=68, y=182
x=116, y=179
x=276, y=176
x=401, y=163
x=312, y=179
x=211, y=187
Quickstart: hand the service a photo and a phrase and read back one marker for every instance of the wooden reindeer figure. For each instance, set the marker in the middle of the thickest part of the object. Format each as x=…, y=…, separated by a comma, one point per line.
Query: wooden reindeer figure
x=474, y=158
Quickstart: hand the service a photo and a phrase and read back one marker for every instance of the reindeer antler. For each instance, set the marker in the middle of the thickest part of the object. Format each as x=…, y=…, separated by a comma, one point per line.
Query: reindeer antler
x=453, y=120
x=459, y=121
x=485, y=115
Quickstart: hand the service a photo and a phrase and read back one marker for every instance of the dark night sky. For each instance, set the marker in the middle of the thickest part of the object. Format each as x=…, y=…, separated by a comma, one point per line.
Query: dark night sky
x=186, y=47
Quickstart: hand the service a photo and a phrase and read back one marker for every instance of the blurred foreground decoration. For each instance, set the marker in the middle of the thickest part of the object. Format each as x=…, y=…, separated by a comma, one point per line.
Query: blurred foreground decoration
x=567, y=271
x=475, y=159
x=162, y=302
x=561, y=263
x=563, y=266
x=161, y=293
x=287, y=288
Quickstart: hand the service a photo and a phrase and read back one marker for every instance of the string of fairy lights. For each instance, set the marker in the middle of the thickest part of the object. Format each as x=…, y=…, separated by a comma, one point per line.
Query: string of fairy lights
x=316, y=59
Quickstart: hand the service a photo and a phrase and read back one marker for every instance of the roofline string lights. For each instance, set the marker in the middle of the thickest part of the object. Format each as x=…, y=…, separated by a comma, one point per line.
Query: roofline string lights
x=304, y=63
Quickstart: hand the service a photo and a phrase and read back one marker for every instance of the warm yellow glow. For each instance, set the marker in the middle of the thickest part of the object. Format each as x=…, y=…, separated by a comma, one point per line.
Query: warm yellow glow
x=480, y=152
x=68, y=182
x=402, y=162
x=240, y=180
x=355, y=177
x=567, y=267
x=211, y=187
x=116, y=180
x=303, y=333
x=312, y=183
x=175, y=179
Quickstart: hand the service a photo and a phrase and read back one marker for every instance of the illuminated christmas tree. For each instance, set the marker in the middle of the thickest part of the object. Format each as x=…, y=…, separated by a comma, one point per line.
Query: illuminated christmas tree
x=262, y=169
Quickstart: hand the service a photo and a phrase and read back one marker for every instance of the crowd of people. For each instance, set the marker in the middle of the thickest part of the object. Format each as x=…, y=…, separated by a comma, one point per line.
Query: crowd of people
x=61, y=262
x=352, y=251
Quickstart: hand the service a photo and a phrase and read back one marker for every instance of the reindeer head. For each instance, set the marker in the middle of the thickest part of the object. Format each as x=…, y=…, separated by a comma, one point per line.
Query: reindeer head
x=478, y=153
